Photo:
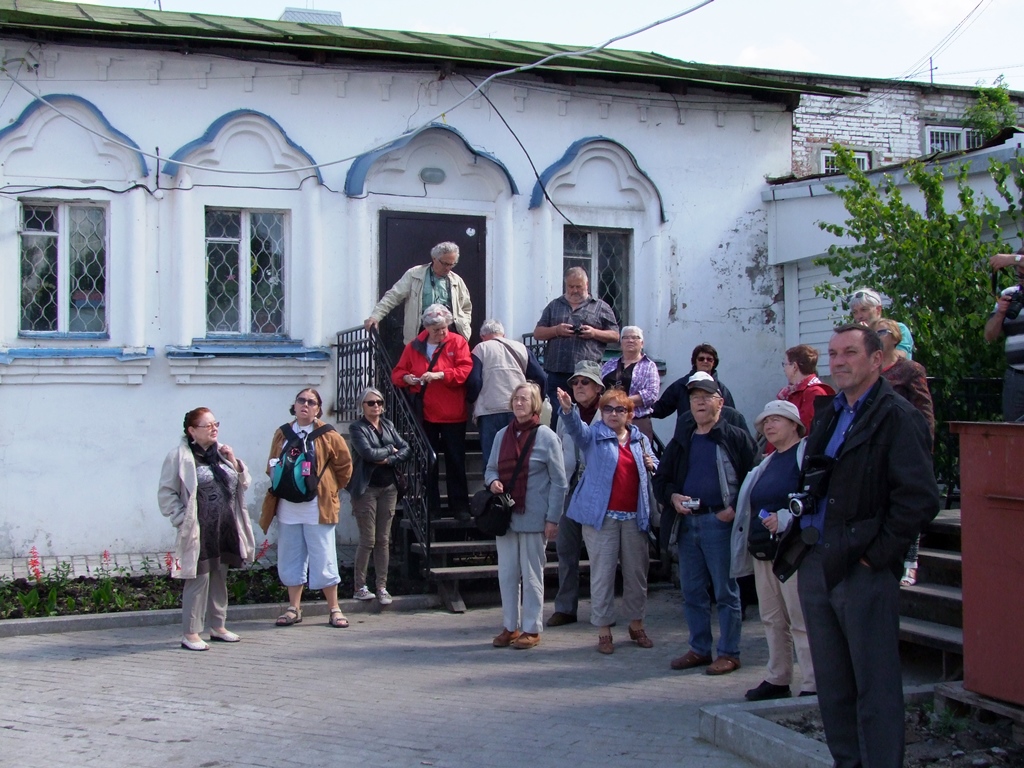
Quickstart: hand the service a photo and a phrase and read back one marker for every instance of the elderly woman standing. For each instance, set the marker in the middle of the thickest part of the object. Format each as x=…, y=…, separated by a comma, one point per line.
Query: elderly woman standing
x=202, y=491
x=612, y=504
x=762, y=514
x=433, y=369
x=539, y=494
x=866, y=307
x=636, y=375
x=378, y=448
x=306, y=547
x=910, y=380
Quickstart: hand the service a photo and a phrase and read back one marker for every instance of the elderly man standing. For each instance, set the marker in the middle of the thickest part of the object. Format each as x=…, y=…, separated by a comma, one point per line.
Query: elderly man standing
x=587, y=388
x=699, y=477
x=577, y=327
x=1000, y=323
x=500, y=366
x=875, y=492
x=426, y=284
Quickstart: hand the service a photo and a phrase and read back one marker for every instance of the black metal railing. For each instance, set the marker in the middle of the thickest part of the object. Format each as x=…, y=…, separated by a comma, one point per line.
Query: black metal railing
x=363, y=362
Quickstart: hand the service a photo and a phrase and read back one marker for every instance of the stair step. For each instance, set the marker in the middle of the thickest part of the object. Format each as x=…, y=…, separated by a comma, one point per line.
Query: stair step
x=475, y=546
x=939, y=603
x=932, y=635
x=936, y=591
x=940, y=558
x=487, y=571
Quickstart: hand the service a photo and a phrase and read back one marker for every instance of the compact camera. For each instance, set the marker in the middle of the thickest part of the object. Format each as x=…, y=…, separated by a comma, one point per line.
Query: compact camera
x=800, y=503
x=1016, y=304
x=691, y=504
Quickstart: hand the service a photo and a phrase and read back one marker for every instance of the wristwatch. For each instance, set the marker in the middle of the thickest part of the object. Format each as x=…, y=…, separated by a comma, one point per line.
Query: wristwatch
x=1016, y=258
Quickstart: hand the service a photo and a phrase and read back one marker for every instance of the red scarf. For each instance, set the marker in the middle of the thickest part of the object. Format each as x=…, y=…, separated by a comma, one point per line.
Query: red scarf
x=508, y=455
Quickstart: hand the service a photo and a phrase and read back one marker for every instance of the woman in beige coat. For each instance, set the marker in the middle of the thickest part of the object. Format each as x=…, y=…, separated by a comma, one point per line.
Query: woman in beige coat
x=202, y=492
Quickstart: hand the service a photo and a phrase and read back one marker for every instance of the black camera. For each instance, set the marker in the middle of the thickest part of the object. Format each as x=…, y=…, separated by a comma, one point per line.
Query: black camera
x=577, y=328
x=1016, y=304
x=800, y=503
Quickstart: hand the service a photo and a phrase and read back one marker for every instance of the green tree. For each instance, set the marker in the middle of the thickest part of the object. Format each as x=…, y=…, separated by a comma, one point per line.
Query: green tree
x=993, y=111
x=931, y=262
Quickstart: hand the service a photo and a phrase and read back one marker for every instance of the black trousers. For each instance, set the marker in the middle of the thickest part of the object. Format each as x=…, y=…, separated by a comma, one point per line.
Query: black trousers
x=449, y=440
x=854, y=636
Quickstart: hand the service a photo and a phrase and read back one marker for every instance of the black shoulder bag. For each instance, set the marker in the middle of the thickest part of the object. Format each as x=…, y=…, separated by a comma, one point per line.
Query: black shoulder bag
x=493, y=511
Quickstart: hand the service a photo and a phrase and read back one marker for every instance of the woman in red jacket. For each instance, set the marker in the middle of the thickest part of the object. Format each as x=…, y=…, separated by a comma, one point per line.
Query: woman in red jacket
x=801, y=367
x=433, y=370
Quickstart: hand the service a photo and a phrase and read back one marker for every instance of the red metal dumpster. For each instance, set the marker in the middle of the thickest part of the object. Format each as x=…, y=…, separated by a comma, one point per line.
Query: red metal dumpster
x=992, y=542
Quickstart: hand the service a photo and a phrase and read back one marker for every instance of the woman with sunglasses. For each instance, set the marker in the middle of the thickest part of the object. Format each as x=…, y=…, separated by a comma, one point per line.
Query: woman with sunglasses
x=306, y=548
x=202, y=492
x=377, y=448
x=612, y=503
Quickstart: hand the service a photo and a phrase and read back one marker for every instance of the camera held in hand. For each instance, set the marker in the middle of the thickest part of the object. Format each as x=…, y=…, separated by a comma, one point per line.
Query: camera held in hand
x=1016, y=304
x=577, y=328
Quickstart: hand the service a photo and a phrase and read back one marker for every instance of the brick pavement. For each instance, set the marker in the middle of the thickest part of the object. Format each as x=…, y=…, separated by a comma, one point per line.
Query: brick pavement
x=395, y=689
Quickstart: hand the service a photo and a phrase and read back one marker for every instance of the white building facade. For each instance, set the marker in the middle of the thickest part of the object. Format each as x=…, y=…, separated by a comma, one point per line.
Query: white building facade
x=184, y=229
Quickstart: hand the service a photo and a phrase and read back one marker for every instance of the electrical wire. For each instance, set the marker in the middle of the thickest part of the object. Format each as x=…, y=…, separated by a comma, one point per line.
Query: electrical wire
x=382, y=144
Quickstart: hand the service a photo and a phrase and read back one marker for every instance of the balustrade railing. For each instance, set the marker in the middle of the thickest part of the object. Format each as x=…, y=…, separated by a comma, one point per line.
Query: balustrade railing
x=363, y=362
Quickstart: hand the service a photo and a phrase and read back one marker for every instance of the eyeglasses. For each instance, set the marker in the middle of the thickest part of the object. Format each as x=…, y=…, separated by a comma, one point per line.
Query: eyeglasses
x=521, y=399
x=868, y=297
x=703, y=397
x=211, y=425
x=374, y=403
x=305, y=401
x=705, y=359
x=618, y=410
x=447, y=264
x=883, y=332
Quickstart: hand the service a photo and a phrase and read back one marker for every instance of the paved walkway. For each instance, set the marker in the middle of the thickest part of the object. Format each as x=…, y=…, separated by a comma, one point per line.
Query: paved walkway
x=395, y=689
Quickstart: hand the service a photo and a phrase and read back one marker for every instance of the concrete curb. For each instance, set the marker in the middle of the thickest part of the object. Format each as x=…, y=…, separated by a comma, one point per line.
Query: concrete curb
x=268, y=611
x=745, y=730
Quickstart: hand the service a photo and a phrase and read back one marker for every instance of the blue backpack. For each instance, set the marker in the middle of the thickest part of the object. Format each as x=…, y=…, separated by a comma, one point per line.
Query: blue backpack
x=295, y=477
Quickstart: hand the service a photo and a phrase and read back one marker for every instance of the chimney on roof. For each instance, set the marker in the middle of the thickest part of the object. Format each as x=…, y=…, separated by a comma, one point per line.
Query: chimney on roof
x=312, y=16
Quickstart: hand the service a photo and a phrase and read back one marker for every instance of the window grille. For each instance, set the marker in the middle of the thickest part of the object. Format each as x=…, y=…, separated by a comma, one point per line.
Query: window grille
x=828, y=161
x=63, y=268
x=604, y=254
x=245, y=272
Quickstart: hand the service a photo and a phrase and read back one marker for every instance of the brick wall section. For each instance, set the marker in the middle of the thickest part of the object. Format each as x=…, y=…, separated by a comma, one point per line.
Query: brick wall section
x=888, y=119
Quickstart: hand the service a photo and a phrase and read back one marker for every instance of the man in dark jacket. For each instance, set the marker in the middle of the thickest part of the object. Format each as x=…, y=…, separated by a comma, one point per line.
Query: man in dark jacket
x=675, y=399
x=699, y=478
x=880, y=492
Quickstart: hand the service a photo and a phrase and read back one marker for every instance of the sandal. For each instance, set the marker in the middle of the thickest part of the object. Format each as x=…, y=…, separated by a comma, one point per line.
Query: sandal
x=337, y=619
x=291, y=616
x=909, y=577
x=639, y=636
x=605, y=644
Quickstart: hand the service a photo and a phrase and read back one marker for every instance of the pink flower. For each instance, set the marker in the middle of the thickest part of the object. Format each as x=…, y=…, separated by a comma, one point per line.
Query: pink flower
x=262, y=550
x=106, y=556
x=169, y=561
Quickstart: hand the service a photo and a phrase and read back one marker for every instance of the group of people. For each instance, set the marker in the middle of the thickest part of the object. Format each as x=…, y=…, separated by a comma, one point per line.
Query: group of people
x=202, y=488
x=858, y=461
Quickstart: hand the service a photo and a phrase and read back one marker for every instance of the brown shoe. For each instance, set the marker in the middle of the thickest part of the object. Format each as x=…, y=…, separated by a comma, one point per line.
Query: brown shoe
x=639, y=636
x=723, y=666
x=689, y=660
x=605, y=644
x=504, y=640
x=526, y=640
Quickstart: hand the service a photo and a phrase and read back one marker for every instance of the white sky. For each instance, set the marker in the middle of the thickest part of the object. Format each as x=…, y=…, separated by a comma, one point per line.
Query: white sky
x=872, y=38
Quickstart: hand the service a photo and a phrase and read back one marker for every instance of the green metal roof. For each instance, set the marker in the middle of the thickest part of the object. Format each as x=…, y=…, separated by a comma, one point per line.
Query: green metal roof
x=48, y=20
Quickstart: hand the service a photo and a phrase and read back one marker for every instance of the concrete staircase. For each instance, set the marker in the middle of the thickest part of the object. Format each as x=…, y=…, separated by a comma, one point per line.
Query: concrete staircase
x=931, y=611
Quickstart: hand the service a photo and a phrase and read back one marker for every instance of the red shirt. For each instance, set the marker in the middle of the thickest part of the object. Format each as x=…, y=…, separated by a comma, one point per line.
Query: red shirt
x=625, y=483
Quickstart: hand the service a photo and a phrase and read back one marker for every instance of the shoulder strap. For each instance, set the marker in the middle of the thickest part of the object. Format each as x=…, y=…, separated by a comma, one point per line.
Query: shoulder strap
x=522, y=455
x=289, y=433
x=320, y=431
x=514, y=352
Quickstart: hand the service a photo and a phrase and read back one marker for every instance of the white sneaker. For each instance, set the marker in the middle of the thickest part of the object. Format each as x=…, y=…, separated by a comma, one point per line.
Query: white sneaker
x=363, y=594
x=384, y=597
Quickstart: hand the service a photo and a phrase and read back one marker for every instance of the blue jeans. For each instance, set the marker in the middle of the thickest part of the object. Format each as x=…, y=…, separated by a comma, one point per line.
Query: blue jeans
x=704, y=555
x=488, y=426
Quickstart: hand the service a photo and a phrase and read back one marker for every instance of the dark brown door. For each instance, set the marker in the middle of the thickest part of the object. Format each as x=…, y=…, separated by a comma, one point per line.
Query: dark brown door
x=406, y=240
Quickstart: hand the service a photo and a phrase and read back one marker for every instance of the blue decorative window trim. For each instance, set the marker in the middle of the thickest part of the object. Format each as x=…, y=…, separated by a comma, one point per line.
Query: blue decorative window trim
x=127, y=354
x=236, y=347
x=355, y=179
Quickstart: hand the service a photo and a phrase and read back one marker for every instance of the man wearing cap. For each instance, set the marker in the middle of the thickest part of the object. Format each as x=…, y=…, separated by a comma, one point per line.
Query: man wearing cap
x=426, y=284
x=762, y=515
x=866, y=307
x=576, y=327
x=587, y=387
x=699, y=477
x=871, y=500
x=998, y=324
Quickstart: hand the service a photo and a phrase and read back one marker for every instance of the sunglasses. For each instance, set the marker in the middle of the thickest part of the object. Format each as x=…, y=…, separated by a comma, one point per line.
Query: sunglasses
x=305, y=401
x=618, y=410
x=374, y=403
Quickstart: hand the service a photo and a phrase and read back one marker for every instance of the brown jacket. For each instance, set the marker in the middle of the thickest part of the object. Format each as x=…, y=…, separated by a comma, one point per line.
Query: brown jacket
x=332, y=453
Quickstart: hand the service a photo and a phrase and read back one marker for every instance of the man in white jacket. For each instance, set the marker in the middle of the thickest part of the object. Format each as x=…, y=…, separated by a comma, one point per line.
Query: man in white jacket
x=426, y=284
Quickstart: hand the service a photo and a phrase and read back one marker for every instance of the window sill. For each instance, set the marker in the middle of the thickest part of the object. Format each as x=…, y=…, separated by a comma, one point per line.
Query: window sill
x=85, y=365
x=247, y=361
